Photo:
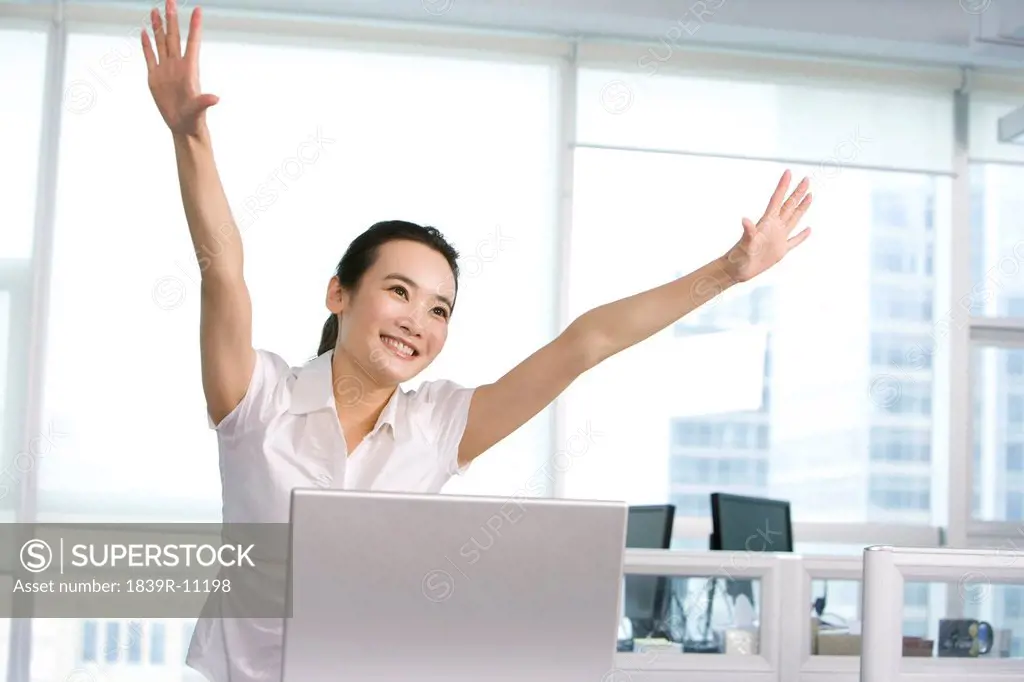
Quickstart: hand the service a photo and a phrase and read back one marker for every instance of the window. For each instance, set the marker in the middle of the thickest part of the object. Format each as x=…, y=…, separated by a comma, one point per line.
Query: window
x=976, y=480
x=900, y=256
x=1015, y=506
x=744, y=395
x=762, y=473
x=1015, y=306
x=1015, y=457
x=683, y=433
x=186, y=638
x=900, y=493
x=900, y=305
x=915, y=594
x=907, y=397
x=683, y=470
x=441, y=142
x=134, y=642
x=820, y=380
x=718, y=470
x=901, y=351
x=157, y=643
x=760, y=303
x=738, y=434
x=1015, y=411
x=22, y=71
x=891, y=444
x=915, y=627
x=890, y=262
x=90, y=638
x=1015, y=363
x=890, y=210
x=1014, y=602
x=998, y=249
x=753, y=309
x=727, y=435
x=690, y=504
x=112, y=643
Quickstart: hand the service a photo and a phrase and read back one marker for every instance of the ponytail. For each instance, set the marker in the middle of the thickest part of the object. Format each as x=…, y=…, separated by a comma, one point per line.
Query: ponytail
x=329, y=337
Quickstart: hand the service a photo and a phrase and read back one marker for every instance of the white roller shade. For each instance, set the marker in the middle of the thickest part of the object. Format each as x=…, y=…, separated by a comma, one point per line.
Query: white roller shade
x=840, y=124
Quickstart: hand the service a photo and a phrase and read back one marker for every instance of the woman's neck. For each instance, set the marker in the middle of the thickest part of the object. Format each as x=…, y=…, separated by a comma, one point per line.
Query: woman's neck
x=358, y=396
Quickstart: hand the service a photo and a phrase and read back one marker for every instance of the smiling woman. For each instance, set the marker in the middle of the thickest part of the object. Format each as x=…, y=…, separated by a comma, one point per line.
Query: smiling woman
x=342, y=419
x=126, y=464
x=292, y=243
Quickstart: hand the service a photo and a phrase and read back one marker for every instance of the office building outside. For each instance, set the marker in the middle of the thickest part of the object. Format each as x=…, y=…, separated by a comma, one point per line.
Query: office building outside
x=854, y=443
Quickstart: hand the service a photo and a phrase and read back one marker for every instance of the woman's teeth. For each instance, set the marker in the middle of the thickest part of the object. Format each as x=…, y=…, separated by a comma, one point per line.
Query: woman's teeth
x=400, y=348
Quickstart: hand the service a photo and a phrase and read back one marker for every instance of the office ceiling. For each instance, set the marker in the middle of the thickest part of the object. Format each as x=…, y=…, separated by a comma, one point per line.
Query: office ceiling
x=937, y=31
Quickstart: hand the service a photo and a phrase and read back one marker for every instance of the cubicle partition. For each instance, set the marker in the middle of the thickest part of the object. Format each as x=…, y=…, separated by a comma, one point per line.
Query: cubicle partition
x=961, y=584
x=798, y=659
x=705, y=569
x=971, y=575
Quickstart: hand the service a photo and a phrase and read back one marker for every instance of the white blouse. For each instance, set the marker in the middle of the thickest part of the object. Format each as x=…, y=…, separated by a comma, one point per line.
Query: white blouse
x=285, y=434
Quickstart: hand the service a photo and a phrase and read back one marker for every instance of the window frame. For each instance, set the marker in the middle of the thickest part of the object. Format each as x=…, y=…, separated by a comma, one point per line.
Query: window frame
x=1004, y=333
x=16, y=282
x=29, y=289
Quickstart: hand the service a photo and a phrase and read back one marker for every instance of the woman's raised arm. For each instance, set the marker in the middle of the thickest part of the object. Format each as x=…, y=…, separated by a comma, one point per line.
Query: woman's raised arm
x=225, y=328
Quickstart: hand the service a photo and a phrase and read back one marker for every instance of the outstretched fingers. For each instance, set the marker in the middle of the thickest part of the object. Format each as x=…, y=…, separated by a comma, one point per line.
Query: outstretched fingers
x=797, y=214
x=795, y=199
x=796, y=241
x=775, y=203
x=173, y=35
x=147, y=51
x=158, y=34
x=167, y=36
x=195, y=35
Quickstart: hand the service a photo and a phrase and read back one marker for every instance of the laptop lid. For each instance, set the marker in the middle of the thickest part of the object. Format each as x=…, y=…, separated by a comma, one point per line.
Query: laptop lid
x=427, y=587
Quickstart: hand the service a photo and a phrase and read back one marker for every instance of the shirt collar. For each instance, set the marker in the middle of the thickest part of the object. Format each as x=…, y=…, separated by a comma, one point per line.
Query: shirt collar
x=314, y=391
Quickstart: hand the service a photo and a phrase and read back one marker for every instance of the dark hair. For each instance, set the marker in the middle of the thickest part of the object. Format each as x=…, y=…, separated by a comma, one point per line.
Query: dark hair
x=362, y=254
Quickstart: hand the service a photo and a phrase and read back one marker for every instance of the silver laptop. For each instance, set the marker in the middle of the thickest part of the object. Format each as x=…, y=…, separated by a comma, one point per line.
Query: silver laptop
x=428, y=588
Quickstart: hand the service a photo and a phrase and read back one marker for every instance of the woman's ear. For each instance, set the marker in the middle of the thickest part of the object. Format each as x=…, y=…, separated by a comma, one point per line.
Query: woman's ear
x=336, y=296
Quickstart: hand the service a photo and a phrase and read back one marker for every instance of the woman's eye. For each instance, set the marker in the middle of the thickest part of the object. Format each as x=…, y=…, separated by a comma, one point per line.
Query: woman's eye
x=400, y=291
x=442, y=312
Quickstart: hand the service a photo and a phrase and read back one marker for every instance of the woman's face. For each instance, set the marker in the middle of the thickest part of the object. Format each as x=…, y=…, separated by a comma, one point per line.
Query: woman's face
x=396, y=322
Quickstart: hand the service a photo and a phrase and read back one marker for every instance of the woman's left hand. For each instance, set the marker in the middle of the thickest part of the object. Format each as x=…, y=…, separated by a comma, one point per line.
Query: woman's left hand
x=766, y=243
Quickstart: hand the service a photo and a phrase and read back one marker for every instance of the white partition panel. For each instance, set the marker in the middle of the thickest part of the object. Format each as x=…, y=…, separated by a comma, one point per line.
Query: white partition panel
x=886, y=569
x=672, y=666
x=796, y=661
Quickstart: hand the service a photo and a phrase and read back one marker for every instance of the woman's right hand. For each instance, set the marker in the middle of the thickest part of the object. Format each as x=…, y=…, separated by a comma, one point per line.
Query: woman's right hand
x=173, y=77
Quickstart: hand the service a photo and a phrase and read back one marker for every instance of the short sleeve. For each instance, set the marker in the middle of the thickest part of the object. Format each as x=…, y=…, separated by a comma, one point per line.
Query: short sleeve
x=267, y=373
x=448, y=406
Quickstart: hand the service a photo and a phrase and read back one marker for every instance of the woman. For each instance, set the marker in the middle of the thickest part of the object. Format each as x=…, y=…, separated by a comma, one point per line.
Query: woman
x=341, y=420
